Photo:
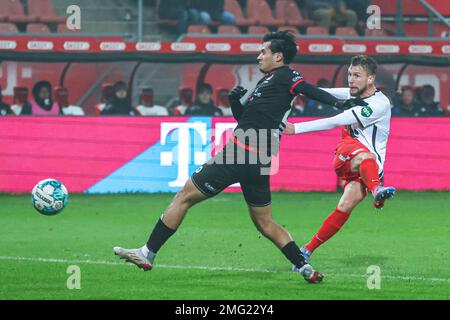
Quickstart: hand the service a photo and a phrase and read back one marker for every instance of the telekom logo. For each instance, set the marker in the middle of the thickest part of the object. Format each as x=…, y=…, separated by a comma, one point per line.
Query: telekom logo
x=180, y=155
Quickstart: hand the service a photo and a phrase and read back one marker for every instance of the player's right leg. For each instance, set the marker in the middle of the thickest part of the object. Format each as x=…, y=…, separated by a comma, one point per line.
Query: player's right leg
x=165, y=227
x=354, y=193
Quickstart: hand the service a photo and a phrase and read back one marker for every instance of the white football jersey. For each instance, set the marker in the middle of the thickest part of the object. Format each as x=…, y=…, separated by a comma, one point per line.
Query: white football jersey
x=372, y=124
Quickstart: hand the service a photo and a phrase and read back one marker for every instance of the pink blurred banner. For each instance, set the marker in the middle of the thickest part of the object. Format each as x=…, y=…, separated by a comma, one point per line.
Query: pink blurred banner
x=128, y=154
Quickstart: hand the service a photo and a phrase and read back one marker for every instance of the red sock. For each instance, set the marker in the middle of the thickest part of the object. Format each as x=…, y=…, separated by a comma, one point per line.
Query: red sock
x=330, y=226
x=368, y=171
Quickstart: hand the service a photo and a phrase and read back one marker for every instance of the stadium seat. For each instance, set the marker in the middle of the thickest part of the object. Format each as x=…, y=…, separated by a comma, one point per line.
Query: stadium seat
x=258, y=30
x=186, y=98
x=291, y=29
x=43, y=11
x=107, y=96
x=222, y=97
x=228, y=30
x=375, y=33
x=8, y=27
x=288, y=10
x=317, y=31
x=13, y=11
x=234, y=7
x=20, y=95
x=198, y=29
x=260, y=11
x=37, y=28
x=346, y=32
x=62, y=28
x=61, y=96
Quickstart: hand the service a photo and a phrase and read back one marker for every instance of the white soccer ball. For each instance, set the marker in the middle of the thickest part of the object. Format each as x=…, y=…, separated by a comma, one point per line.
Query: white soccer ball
x=49, y=197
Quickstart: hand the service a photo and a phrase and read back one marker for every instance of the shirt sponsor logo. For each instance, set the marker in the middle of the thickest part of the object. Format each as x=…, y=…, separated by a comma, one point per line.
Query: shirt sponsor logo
x=366, y=112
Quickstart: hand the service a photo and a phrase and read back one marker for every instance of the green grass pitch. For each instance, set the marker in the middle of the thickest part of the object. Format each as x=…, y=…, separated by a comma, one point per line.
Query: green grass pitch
x=218, y=254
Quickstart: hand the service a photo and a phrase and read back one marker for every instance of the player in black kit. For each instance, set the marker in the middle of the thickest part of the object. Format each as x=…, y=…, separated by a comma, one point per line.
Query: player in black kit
x=246, y=158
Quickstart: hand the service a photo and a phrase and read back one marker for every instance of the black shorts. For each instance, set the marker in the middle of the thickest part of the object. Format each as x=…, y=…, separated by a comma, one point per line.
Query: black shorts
x=225, y=168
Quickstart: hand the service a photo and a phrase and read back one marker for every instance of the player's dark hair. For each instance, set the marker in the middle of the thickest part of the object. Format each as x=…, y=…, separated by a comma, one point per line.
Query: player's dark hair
x=368, y=63
x=284, y=42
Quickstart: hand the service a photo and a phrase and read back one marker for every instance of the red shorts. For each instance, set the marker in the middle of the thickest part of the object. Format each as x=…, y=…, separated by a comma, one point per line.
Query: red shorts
x=346, y=150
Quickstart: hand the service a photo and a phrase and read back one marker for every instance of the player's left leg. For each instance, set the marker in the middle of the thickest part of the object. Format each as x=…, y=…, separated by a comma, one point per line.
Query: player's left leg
x=263, y=220
x=365, y=163
x=354, y=193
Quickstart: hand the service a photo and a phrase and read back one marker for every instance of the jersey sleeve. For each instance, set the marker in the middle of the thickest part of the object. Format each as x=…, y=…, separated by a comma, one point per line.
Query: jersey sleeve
x=296, y=79
x=368, y=115
x=338, y=93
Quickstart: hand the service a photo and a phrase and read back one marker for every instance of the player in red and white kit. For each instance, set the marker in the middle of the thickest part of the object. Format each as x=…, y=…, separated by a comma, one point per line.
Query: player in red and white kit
x=361, y=152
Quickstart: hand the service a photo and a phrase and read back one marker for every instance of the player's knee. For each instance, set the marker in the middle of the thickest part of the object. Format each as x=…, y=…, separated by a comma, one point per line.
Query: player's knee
x=356, y=161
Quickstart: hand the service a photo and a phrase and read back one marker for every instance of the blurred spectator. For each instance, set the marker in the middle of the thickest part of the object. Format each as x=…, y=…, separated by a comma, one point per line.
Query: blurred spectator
x=107, y=97
x=327, y=12
x=223, y=103
x=62, y=99
x=42, y=103
x=4, y=108
x=204, y=11
x=428, y=107
x=203, y=105
x=175, y=10
x=315, y=108
x=21, y=105
x=298, y=107
x=120, y=104
x=360, y=8
x=146, y=106
x=406, y=105
x=185, y=101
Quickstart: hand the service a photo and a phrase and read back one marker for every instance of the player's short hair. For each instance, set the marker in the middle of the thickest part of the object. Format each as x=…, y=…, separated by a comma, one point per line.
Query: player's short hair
x=284, y=42
x=368, y=63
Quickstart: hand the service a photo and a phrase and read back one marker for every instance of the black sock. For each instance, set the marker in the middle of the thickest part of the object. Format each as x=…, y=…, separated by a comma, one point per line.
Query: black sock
x=160, y=234
x=292, y=252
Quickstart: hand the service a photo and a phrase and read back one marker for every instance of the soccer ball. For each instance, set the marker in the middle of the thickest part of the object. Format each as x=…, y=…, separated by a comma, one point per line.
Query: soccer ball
x=49, y=197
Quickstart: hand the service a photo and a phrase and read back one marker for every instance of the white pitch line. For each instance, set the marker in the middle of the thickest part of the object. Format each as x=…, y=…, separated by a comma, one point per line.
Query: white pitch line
x=164, y=266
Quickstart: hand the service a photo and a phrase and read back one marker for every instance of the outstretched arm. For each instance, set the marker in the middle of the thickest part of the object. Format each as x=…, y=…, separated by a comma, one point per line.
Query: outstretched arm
x=345, y=118
x=329, y=97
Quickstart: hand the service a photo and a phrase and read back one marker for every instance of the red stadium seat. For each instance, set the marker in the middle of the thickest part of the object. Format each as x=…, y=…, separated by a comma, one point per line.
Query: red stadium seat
x=375, y=33
x=258, y=30
x=291, y=29
x=20, y=95
x=288, y=10
x=262, y=13
x=38, y=28
x=317, y=31
x=234, y=7
x=222, y=97
x=62, y=28
x=8, y=27
x=346, y=32
x=186, y=96
x=13, y=11
x=107, y=97
x=43, y=11
x=228, y=30
x=198, y=29
x=61, y=96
